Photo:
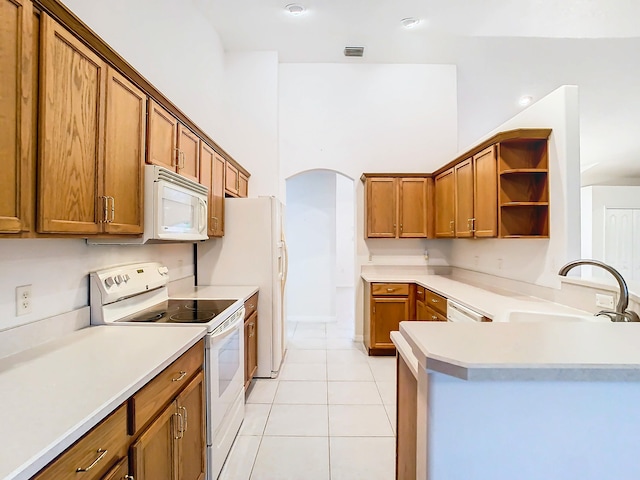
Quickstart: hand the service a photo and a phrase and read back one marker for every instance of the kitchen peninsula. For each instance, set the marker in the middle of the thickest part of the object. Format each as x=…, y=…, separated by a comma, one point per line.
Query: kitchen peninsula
x=520, y=400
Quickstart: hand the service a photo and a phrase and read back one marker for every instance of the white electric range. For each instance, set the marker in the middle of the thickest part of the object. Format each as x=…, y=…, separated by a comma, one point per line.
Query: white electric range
x=137, y=294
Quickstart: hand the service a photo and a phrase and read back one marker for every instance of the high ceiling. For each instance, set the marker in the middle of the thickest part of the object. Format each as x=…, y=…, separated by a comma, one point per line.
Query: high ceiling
x=503, y=49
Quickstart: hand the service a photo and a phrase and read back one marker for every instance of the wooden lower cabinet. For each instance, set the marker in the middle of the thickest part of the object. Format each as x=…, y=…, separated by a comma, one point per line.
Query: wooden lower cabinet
x=250, y=339
x=406, y=427
x=167, y=444
x=389, y=304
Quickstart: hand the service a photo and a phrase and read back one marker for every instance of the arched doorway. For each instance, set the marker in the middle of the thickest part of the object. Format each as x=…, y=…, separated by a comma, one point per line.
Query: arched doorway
x=320, y=230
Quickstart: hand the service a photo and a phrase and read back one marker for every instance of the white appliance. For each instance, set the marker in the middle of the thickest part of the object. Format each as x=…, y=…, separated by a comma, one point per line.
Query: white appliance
x=253, y=251
x=137, y=295
x=175, y=209
x=460, y=313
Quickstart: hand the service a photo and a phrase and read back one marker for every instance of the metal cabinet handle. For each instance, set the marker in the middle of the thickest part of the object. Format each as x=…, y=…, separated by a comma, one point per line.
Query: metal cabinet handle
x=251, y=305
x=186, y=421
x=105, y=209
x=400, y=228
x=129, y=477
x=179, y=427
x=433, y=317
x=175, y=161
x=183, y=156
x=389, y=289
x=113, y=209
x=434, y=300
x=182, y=375
x=473, y=224
x=451, y=225
x=101, y=454
x=252, y=327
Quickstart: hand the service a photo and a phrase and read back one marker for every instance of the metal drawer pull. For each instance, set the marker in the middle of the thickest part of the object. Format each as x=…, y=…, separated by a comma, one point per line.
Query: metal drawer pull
x=129, y=477
x=433, y=317
x=101, y=455
x=251, y=305
x=434, y=300
x=179, y=427
x=182, y=375
x=389, y=289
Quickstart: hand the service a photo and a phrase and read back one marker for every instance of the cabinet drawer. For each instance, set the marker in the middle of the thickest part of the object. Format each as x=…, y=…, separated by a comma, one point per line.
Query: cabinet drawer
x=435, y=301
x=420, y=293
x=147, y=402
x=390, y=289
x=434, y=315
x=251, y=305
x=96, y=452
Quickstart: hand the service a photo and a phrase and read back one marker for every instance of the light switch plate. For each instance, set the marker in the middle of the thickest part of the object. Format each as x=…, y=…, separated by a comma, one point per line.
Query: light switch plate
x=604, y=301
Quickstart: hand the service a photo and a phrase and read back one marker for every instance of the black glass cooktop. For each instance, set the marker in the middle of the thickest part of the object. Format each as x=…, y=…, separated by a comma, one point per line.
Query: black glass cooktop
x=181, y=311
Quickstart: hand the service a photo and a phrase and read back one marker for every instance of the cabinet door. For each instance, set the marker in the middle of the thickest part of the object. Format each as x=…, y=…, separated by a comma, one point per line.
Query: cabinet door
x=189, y=153
x=231, y=180
x=485, y=179
x=252, y=345
x=162, y=137
x=217, y=195
x=193, y=442
x=387, y=313
x=445, y=204
x=464, y=198
x=413, y=207
x=120, y=471
x=421, y=311
x=16, y=111
x=243, y=185
x=153, y=454
x=73, y=81
x=124, y=155
x=381, y=207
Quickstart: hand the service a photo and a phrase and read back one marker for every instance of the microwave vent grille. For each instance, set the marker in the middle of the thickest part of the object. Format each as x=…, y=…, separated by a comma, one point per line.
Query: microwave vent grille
x=169, y=176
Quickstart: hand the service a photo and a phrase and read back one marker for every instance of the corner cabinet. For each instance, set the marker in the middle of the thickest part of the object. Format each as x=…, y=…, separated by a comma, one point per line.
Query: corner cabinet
x=236, y=182
x=397, y=206
x=91, y=141
x=16, y=107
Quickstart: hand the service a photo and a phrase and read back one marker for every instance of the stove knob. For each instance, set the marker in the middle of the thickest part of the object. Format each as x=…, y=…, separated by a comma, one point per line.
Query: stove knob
x=108, y=282
x=163, y=270
x=118, y=279
x=126, y=277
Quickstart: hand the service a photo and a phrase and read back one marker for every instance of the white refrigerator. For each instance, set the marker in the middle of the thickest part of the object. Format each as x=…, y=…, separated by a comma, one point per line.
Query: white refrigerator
x=253, y=251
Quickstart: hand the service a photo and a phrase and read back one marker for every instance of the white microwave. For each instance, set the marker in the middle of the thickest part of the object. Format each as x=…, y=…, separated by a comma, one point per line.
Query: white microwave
x=175, y=209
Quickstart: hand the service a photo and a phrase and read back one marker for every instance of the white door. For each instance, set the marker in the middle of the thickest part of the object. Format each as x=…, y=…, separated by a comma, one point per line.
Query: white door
x=621, y=248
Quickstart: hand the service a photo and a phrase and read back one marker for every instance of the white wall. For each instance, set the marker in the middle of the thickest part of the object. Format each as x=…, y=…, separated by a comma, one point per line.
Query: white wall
x=172, y=45
x=311, y=238
x=251, y=129
x=58, y=271
x=345, y=232
x=537, y=260
x=367, y=118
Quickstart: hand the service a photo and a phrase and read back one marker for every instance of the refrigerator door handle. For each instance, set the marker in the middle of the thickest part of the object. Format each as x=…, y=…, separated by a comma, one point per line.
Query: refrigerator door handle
x=286, y=262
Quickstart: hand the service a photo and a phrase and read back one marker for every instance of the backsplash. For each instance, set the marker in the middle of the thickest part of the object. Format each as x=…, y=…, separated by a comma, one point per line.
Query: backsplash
x=57, y=270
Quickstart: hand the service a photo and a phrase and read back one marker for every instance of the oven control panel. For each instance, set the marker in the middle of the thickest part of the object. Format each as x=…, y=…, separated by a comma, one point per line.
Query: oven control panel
x=127, y=280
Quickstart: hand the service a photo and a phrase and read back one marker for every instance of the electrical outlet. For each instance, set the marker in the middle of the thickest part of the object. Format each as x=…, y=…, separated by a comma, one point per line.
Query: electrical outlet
x=604, y=301
x=23, y=300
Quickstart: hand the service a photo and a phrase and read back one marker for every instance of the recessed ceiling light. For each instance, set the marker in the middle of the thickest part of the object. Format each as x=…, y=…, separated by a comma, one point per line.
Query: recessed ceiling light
x=295, y=9
x=410, y=22
x=525, y=100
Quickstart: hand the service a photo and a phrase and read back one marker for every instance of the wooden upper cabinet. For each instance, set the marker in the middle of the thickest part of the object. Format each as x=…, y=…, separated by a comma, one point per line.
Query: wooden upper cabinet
x=232, y=180
x=16, y=112
x=72, y=102
x=412, y=209
x=188, y=153
x=445, y=204
x=464, y=198
x=162, y=137
x=212, y=168
x=381, y=207
x=124, y=155
x=485, y=200
x=243, y=185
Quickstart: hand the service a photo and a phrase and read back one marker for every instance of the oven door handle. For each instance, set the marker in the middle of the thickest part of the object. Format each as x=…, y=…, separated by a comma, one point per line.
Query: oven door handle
x=228, y=330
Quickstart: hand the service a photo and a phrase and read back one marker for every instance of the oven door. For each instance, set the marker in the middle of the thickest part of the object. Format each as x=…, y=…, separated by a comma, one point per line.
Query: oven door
x=180, y=213
x=225, y=366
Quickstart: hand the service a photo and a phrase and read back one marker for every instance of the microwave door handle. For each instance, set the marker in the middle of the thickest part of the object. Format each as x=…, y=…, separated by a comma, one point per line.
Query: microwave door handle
x=203, y=216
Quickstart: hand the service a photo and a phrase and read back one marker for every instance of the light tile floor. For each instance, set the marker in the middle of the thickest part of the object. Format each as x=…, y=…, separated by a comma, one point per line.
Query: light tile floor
x=329, y=416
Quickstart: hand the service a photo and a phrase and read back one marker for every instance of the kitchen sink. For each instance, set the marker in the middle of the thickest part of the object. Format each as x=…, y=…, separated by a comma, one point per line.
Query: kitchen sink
x=528, y=316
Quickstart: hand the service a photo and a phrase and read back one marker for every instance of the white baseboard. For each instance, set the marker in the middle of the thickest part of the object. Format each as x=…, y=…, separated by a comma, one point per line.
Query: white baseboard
x=358, y=338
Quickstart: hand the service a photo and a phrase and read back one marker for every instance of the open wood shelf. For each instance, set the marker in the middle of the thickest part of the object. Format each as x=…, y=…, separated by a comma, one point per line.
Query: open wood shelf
x=524, y=221
x=515, y=171
x=526, y=204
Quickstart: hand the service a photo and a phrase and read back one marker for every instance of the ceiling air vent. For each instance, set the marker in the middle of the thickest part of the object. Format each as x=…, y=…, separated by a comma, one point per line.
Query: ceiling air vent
x=353, y=51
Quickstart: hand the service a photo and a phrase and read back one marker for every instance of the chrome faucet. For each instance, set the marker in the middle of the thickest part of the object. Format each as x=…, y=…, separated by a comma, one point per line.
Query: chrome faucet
x=621, y=314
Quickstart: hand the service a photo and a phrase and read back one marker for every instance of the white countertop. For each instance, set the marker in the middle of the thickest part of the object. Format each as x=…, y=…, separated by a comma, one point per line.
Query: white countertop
x=493, y=303
x=215, y=292
x=580, y=351
x=54, y=393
